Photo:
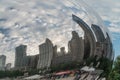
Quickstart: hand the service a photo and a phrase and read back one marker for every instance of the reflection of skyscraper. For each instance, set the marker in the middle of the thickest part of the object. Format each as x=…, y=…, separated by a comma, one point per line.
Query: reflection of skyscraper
x=46, y=54
x=86, y=46
x=20, y=52
x=98, y=32
x=99, y=50
x=55, y=51
x=103, y=46
x=22, y=61
x=109, y=47
x=33, y=61
x=88, y=33
x=2, y=62
x=76, y=47
x=75, y=51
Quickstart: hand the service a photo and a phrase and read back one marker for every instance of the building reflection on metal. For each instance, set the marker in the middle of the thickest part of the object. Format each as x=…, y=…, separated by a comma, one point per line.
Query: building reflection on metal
x=95, y=41
x=94, y=44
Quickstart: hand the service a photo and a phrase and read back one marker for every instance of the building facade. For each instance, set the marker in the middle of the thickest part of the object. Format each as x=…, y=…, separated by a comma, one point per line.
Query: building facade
x=75, y=51
x=22, y=61
x=88, y=33
x=76, y=47
x=45, y=54
x=20, y=53
x=98, y=33
x=93, y=35
x=2, y=62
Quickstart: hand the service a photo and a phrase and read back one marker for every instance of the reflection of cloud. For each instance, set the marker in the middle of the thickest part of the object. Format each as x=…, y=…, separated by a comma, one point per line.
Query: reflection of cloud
x=109, y=10
x=114, y=29
x=1, y=35
x=30, y=22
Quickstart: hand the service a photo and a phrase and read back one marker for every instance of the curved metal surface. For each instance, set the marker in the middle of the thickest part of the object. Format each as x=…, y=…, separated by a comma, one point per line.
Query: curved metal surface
x=96, y=44
x=88, y=33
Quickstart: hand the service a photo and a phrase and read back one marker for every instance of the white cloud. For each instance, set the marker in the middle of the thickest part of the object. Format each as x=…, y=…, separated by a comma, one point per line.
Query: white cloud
x=1, y=35
x=114, y=29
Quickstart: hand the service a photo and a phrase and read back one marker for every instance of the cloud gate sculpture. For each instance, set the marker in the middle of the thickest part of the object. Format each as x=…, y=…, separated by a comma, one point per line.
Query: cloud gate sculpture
x=96, y=39
x=75, y=36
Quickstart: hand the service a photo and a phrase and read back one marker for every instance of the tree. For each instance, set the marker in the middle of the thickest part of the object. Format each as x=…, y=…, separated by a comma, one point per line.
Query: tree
x=10, y=74
x=106, y=65
x=117, y=64
x=115, y=73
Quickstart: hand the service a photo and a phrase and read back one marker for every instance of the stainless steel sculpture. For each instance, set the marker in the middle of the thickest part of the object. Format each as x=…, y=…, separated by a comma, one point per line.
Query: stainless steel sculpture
x=74, y=36
x=95, y=35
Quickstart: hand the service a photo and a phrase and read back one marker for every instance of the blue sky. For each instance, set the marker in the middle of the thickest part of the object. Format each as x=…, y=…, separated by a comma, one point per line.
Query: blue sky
x=24, y=22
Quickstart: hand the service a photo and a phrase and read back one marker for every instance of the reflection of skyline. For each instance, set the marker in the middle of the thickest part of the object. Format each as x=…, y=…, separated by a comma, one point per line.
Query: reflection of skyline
x=110, y=16
x=93, y=40
x=18, y=26
x=94, y=45
x=48, y=48
x=79, y=49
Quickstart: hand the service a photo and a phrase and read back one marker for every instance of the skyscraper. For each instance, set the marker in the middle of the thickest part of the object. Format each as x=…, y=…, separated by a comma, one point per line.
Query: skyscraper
x=98, y=32
x=2, y=62
x=20, y=52
x=76, y=47
x=46, y=54
x=88, y=32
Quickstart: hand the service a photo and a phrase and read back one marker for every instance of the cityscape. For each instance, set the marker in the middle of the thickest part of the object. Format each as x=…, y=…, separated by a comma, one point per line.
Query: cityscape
x=94, y=49
x=59, y=39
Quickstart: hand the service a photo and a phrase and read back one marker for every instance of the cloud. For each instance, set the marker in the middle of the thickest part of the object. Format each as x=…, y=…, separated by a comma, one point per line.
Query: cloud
x=1, y=35
x=114, y=29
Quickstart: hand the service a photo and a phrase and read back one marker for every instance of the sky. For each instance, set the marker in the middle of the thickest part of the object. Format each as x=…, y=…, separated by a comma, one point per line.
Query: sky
x=24, y=22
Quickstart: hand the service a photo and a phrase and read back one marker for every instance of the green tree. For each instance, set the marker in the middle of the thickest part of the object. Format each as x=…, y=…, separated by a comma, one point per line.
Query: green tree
x=117, y=64
x=115, y=73
x=106, y=65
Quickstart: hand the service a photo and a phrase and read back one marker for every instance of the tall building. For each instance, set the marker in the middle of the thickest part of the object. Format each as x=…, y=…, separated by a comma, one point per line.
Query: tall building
x=98, y=32
x=100, y=38
x=99, y=50
x=95, y=34
x=46, y=54
x=86, y=46
x=76, y=47
x=20, y=53
x=60, y=57
x=2, y=62
x=24, y=62
x=55, y=51
x=88, y=32
x=33, y=61
x=108, y=47
x=75, y=51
